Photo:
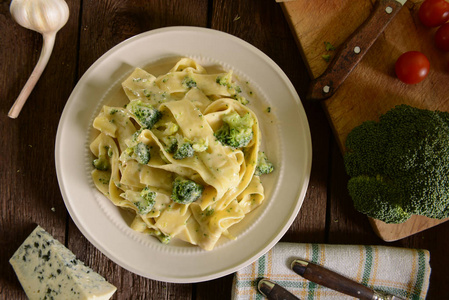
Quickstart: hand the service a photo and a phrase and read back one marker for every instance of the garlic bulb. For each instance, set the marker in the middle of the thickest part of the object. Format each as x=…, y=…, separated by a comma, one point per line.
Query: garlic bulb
x=40, y=15
x=45, y=17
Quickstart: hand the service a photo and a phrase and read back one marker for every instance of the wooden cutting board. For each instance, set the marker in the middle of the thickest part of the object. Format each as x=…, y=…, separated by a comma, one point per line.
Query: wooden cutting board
x=372, y=88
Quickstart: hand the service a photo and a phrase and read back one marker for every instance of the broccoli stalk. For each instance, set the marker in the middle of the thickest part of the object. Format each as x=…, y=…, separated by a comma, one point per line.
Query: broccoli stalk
x=186, y=191
x=236, y=131
x=399, y=166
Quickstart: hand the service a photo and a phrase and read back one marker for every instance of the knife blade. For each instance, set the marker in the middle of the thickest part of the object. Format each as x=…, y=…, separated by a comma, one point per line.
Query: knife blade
x=274, y=291
x=351, y=52
x=337, y=282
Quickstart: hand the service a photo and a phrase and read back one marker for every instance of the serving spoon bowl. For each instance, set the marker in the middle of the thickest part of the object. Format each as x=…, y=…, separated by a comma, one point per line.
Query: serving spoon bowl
x=46, y=17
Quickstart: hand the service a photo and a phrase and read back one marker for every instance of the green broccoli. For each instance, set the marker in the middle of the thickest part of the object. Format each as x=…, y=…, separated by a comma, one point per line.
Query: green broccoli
x=236, y=131
x=144, y=201
x=188, y=82
x=179, y=146
x=399, y=166
x=145, y=113
x=163, y=238
x=142, y=152
x=186, y=191
x=102, y=162
x=263, y=165
x=183, y=150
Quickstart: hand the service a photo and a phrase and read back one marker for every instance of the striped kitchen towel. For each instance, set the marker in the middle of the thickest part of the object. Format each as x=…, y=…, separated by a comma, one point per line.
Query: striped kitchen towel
x=398, y=271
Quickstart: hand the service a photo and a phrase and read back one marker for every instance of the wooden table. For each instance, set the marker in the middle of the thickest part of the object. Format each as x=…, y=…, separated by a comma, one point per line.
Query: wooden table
x=29, y=190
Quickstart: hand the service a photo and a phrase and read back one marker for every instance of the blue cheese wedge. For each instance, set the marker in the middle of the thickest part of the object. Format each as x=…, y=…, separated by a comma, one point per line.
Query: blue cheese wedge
x=48, y=270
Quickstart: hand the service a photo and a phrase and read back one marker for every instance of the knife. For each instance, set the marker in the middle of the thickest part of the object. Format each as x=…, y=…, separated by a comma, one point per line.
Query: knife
x=337, y=282
x=274, y=291
x=353, y=49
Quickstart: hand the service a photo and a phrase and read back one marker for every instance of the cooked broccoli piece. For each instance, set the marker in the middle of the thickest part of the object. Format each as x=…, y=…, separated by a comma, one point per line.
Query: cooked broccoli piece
x=236, y=131
x=183, y=150
x=142, y=152
x=200, y=145
x=188, y=82
x=145, y=113
x=171, y=143
x=144, y=201
x=179, y=146
x=102, y=162
x=224, y=80
x=186, y=191
x=263, y=165
x=399, y=166
x=163, y=238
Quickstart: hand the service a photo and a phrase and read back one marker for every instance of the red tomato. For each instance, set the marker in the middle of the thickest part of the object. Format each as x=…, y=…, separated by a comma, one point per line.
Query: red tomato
x=442, y=37
x=434, y=13
x=412, y=67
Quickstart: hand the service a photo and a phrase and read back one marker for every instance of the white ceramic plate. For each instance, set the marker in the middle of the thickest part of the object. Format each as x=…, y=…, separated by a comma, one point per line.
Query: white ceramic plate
x=287, y=144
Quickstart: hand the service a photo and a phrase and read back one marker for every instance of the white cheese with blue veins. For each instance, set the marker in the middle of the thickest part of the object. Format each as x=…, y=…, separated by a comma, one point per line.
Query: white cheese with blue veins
x=48, y=270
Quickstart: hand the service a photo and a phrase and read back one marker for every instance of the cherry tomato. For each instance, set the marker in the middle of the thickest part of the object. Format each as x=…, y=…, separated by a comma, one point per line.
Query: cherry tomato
x=442, y=37
x=433, y=13
x=412, y=67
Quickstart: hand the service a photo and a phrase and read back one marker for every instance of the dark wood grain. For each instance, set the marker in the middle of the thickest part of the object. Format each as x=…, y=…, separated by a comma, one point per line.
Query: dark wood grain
x=29, y=191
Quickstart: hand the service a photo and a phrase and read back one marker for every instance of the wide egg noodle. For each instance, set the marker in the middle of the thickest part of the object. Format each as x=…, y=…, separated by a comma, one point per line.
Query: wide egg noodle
x=192, y=103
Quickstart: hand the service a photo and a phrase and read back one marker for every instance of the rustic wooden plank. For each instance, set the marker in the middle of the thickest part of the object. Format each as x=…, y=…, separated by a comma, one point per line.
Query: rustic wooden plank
x=29, y=191
x=121, y=20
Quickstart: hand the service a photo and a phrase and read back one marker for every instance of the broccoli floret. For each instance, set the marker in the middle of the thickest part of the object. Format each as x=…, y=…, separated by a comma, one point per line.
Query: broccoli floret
x=183, y=151
x=224, y=80
x=236, y=131
x=171, y=143
x=101, y=163
x=179, y=146
x=144, y=201
x=145, y=113
x=142, y=152
x=263, y=165
x=163, y=238
x=399, y=166
x=186, y=191
x=378, y=189
x=188, y=82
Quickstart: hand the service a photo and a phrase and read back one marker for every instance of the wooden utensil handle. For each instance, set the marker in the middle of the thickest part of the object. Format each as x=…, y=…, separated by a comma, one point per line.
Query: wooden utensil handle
x=332, y=280
x=353, y=49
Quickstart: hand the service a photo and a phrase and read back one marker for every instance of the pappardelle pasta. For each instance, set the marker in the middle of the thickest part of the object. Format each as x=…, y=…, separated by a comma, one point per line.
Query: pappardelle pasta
x=183, y=154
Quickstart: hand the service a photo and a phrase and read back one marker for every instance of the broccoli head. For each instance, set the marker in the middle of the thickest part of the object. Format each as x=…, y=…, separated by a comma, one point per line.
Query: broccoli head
x=236, y=131
x=102, y=163
x=399, y=166
x=143, y=201
x=145, y=113
x=142, y=152
x=179, y=146
x=186, y=191
x=183, y=151
x=263, y=165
